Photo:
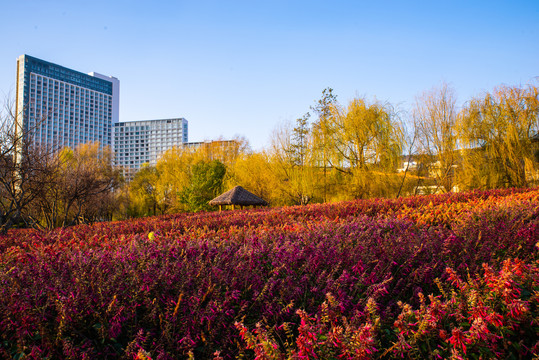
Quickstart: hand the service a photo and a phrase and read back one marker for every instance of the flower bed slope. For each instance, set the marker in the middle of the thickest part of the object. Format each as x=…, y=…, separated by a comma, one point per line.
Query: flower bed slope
x=171, y=286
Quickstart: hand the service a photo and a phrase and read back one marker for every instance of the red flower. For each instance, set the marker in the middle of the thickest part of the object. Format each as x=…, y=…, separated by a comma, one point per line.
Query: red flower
x=458, y=340
x=517, y=308
x=443, y=334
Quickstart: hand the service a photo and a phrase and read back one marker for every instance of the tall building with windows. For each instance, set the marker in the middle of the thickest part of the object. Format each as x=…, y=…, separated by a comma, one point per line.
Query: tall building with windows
x=61, y=107
x=139, y=142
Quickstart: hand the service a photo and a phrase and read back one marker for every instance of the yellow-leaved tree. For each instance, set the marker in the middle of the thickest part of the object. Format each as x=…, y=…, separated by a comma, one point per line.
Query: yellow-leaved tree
x=189, y=176
x=293, y=164
x=363, y=142
x=255, y=172
x=144, y=199
x=497, y=132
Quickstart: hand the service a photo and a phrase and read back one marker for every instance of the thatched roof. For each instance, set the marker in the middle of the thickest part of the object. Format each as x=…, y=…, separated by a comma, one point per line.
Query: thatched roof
x=238, y=196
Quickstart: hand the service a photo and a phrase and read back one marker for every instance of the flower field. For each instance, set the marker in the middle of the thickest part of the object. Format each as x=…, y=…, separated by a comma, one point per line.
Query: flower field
x=441, y=276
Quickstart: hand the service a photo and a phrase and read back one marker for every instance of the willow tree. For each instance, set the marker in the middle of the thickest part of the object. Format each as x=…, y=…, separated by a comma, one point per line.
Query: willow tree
x=435, y=125
x=226, y=151
x=143, y=193
x=173, y=168
x=497, y=131
x=256, y=173
x=291, y=162
x=364, y=143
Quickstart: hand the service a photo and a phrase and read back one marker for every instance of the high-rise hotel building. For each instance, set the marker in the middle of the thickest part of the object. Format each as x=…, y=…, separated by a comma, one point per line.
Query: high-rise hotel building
x=61, y=107
x=139, y=142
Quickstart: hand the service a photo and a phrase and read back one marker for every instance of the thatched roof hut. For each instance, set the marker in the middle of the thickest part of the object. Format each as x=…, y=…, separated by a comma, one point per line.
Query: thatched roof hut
x=238, y=196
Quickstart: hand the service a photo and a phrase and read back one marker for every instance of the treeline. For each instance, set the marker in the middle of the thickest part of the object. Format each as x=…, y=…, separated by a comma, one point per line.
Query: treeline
x=334, y=152
x=360, y=150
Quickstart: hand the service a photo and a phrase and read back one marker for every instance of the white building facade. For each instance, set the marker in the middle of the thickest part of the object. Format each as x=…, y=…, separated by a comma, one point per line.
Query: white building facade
x=140, y=142
x=60, y=107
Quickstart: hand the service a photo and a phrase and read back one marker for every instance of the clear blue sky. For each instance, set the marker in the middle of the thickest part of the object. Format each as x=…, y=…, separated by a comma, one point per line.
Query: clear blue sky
x=242, y=67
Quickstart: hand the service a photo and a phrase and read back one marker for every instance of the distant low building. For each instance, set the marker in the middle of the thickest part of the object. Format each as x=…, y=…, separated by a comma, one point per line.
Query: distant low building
x=407, y=166
x=216, y=149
